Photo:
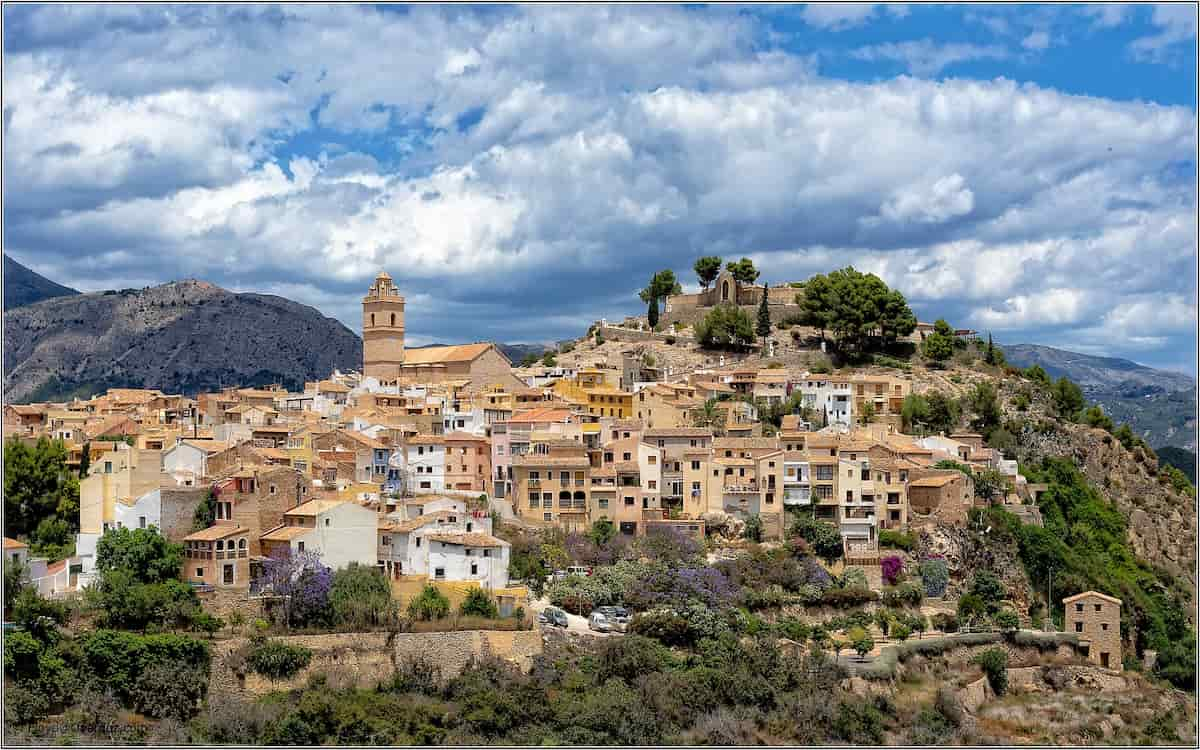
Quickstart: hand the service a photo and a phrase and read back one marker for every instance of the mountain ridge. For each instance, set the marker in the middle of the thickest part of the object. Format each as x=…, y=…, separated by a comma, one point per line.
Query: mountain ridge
x=1160, y=405
x=180, y=337
x=24, y=286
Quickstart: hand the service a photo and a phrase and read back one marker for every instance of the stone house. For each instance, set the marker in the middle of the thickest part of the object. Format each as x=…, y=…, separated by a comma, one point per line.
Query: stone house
x=939, y=496
x=1096, y=618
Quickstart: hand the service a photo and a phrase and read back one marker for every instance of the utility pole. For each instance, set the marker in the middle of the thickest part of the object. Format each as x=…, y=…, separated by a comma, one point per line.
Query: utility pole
x=1049, y=600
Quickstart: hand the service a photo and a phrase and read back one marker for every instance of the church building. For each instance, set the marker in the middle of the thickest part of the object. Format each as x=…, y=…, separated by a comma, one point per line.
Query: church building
x=384, y=357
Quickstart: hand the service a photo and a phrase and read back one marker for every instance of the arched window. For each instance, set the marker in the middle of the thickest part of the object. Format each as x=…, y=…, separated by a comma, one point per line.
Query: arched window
x=393, y=320
x=580, y=496
x=725, y=290
x=564, y=495
x=241, y=544
x=372, y=318
x=220, y=545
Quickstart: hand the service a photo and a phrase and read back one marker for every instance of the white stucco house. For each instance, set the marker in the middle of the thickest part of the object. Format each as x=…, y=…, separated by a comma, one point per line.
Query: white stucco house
x=444, y=545
x=425, y=460
x=340, y=531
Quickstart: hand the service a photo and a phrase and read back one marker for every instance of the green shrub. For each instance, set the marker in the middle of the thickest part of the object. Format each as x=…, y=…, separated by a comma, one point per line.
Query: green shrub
x=24, y=705
x=277, y=660
x=945, y=622
x=477, y=602
x=897, y=540
x=665, y=627
x=901, y=632
x=908, y=593
x=1007, y=620
x=858, y=722
x=994, y=662
x=169, y=691
x=430, y=604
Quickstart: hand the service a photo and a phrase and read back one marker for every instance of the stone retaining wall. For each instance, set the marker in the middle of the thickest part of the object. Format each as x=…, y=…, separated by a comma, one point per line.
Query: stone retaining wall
x=367, y=659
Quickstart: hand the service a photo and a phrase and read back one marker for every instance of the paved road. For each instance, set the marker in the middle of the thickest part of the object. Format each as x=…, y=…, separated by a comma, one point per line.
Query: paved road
x=575, y=623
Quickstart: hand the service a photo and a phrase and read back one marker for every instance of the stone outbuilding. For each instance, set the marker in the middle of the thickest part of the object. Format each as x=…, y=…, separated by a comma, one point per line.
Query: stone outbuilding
x=1096, y=618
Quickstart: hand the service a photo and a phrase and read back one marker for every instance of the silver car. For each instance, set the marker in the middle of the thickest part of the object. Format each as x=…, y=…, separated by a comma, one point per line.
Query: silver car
x=597, y=621
x=618, y=617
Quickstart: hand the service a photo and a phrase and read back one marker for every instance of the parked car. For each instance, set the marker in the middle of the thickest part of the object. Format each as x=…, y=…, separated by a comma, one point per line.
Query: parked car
x=597, y=621
x=579, y=570
x=558, y=575
x=618, y=617
x=554, y=617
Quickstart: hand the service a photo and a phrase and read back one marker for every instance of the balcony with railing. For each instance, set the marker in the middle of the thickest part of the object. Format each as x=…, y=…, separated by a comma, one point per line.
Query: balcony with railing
x=741, y=488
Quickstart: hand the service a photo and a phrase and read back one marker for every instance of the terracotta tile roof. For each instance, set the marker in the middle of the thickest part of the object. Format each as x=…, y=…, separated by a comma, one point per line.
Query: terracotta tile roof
x=14, y=544
x=426, y=440
x=207, y=445
x=688, y=432
x=27, y=409
x=747, y=443
x=313, y=507
x=286, y=533
x=55, y=567
x=468, y=540
x=256, y=393
x=544, y=414
x=1106, y=597
x=535, y=460
x=413, y=524
x=212, y=533
x=430, y=355
x=935, y=481
x=460, y=436
x=328, y=386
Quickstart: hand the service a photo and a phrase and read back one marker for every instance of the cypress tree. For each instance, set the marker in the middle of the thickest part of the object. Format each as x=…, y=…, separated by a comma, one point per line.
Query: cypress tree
x=652, y=312
x=85, y=460
x=990, y=356
x=764, y=317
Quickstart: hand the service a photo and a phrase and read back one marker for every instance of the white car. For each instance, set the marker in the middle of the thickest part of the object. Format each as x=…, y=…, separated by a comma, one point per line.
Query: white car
x=597, y=621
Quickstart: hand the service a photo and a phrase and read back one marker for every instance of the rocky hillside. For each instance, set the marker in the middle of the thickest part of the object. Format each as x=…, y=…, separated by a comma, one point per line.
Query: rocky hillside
x=1159, y=405
x=24, y=287
x=183, y=336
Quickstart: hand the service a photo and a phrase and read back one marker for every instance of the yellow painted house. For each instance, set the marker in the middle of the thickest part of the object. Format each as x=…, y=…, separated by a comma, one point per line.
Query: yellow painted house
x=299, y=448
x=591, y=390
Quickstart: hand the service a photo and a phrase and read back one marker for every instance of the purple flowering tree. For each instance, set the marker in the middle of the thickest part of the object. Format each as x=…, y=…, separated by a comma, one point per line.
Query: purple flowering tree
x=816, y=574
x=303, y=582
x=661, y=586
x=669, y=545
x=892, y=568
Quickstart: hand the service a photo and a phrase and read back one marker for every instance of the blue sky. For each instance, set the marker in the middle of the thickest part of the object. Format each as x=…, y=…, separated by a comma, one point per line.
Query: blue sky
x=520, y=171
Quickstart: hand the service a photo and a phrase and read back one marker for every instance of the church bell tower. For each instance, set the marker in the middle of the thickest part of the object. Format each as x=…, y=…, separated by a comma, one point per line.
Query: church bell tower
x=383, y=329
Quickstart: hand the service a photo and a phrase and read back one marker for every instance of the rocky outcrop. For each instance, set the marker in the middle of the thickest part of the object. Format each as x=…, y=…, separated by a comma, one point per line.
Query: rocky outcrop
x=1162, y=522
x=967, y=551
x=367, y=659
x=180, y=337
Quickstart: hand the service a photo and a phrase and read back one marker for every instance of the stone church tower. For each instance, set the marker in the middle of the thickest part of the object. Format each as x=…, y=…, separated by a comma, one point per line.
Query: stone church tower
x=383, y=329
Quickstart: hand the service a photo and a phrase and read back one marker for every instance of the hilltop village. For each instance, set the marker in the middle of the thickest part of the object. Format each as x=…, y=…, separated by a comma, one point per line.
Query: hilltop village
x=725, y=424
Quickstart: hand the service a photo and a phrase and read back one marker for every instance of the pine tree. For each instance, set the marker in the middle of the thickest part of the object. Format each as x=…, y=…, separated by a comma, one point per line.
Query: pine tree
x=764, y=318
x=652, y=312
x=85, y=461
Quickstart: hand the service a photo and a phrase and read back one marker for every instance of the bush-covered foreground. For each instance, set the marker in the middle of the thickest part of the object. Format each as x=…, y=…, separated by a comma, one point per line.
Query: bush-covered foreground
x=629, y=690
